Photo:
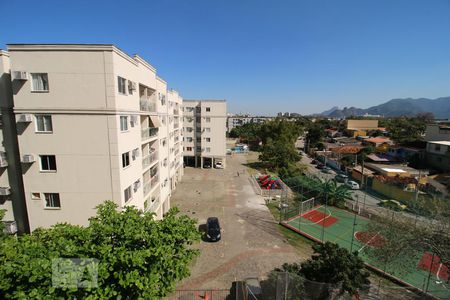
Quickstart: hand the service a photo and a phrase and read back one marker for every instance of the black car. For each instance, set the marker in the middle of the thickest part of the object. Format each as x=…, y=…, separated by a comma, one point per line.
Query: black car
x=320, y=166
x=213, y=229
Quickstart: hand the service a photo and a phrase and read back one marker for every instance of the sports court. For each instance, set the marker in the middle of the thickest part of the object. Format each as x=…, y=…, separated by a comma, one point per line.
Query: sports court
x=343, y=227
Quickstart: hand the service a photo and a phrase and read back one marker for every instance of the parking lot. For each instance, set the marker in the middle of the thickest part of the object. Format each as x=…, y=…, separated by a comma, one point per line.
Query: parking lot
x=251, y=243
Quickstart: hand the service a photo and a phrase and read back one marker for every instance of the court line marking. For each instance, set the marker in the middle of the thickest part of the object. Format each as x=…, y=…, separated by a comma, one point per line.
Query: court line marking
x=366, y=244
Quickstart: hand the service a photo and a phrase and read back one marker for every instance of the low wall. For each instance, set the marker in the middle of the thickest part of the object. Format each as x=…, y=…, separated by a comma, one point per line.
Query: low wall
x=391, y=191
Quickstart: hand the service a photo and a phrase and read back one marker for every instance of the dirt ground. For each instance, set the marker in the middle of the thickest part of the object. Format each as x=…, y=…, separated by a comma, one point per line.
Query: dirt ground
x=251, y=243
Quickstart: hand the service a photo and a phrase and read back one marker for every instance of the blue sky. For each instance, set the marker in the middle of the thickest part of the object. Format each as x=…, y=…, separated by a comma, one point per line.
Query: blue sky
x=262, y=56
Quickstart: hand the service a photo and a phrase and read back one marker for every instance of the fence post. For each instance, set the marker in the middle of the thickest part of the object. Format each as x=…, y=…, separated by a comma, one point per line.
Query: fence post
x=429, y=273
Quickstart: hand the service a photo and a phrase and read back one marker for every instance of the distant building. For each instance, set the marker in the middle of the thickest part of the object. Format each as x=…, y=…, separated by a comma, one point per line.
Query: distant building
x=438, y=155
x=236, y=121
x=204, y=132
x=361, y=127
x=437, y=132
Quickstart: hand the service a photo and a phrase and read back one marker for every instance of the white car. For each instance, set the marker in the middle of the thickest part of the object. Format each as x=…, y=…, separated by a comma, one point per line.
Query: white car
x=352, y=184
x=219, y=165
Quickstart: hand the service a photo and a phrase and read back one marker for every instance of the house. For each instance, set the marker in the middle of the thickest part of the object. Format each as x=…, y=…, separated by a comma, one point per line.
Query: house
x=380, y=143
x=437, y=132
x=438, y=155
x=361, y=127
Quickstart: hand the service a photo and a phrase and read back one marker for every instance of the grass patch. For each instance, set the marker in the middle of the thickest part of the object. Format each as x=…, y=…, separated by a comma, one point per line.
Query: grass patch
x=301, y=244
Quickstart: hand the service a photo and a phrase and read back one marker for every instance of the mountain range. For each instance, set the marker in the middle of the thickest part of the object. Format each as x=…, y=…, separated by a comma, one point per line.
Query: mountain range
x=439, y=107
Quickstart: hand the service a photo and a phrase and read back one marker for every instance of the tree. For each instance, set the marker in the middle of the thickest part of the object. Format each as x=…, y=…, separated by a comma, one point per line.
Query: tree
x=138, y=256
x=279, y=153
x=406, y=237
x=315, y=135
x=330, y=264
x=333, y=264
x=337, y=194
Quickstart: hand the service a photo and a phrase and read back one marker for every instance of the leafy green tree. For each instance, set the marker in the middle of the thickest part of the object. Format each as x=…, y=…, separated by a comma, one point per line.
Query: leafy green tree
x=138, y=256
x=279, y=154
x=337, y=194
x=333, y=264
x=315, y=135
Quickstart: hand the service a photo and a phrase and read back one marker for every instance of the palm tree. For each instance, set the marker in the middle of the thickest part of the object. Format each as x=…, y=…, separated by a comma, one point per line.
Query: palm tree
x=337, y=194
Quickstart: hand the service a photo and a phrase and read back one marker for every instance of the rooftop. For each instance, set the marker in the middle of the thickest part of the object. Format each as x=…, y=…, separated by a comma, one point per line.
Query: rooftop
x=445, y=143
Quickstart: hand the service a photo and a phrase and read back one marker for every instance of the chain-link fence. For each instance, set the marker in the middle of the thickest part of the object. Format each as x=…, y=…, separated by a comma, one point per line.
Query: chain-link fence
x=407, y=256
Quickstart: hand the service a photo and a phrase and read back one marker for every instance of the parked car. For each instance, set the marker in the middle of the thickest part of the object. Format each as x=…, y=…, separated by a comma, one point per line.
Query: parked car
x=213, y=229
x=314, y=161
x=352, y=184
x=207, y=165
x=341, y=178
x=326, y=169
x=392, y=204
x=320, y=166
x=219, y=165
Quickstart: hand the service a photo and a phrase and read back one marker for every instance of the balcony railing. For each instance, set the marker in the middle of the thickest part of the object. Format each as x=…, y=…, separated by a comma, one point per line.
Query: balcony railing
x=149, y=159
x=151, y=206
x=151, y=184
x=147, y=105
x=149, y=133
x=176, y=111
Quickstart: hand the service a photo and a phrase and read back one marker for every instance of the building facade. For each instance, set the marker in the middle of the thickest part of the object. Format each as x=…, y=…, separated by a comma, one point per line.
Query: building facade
x=92, y=124
x=236, y=121
x=204, y=132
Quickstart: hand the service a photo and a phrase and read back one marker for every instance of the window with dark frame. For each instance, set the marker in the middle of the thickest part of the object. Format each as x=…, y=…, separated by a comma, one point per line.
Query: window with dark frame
x=52, y=200
x=48, y=162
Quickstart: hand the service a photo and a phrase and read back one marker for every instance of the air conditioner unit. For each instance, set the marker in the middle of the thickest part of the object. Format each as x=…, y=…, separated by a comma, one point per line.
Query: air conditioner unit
x=133, y=120
x=28, y=158
x=4, y=191
x=135, y=153
x=24, y=118
x=10, y=227
x=3, y=161
x=20, y=75
x=137, y=184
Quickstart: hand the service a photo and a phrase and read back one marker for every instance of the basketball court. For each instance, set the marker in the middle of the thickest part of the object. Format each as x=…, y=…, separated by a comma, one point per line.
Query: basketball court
x=328, y=223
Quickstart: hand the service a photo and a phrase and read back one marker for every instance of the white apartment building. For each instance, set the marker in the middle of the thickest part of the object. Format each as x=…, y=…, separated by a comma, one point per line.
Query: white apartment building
x=204, y=132
x=93, y=124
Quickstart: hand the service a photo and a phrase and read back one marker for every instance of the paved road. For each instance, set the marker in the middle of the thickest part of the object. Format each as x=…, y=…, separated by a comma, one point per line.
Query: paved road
x=358, y=195
x=251, y=243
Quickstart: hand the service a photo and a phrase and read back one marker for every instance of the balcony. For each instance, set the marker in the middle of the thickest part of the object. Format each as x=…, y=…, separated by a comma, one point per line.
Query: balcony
x=148, y=133
x=147, y=105
x=149, y=159
x=149, y=185
x=152, y=203
x=176, y=125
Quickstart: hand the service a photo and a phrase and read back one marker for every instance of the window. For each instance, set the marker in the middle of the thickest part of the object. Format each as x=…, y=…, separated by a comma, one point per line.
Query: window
x=188, y=148
x=437, y=147
x=44, y=123
x=189, y=139
x=48, y=162
x=122, y=82
x=39, y=82
x=207, y=129
x=208, y=109
x=123, y=123
x=198, y=119
x=199, y=149
x=198, y=109
x=208, y=119
x=189, y=129
x=127, y=194
x=199, y=140
x=52, y=200
x=125, y=159
x=208, y=149
x=208, y=139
